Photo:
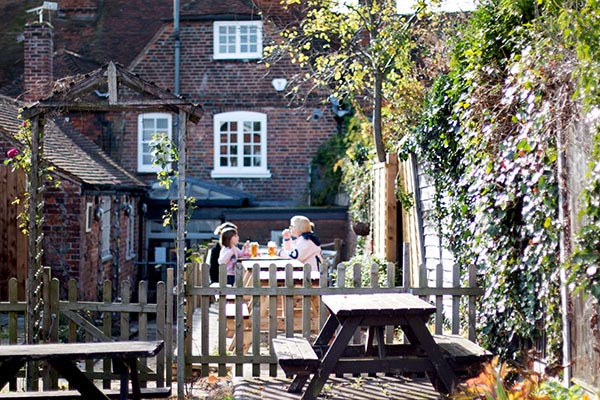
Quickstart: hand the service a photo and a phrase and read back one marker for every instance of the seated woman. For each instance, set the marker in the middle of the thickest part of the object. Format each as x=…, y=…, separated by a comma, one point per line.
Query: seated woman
x=215, y=251
x=306, y=247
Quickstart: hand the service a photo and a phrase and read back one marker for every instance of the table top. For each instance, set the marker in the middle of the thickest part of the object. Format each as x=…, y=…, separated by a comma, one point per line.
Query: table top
x=393, y=304
x=81, y=350
x=264, y=263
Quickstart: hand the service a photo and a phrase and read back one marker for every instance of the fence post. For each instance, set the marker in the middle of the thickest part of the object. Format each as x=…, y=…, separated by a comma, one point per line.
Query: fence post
x=406, y=272
x=72, y=298
x=54, y=322
x=143, y=326
x=107, y=325
x=472, y=306
x=169, y=326
x=13, y=298
x=455, y=300
x=189, y=282
x=204, y=317
x=160, y=334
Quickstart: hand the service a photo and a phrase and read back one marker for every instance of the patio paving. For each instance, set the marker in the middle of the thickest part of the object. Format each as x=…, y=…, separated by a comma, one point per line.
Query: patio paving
x=363, y=388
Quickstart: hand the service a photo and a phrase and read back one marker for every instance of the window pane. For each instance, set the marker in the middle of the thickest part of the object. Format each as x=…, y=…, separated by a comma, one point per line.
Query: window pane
x=162, y=124
x=147, y=123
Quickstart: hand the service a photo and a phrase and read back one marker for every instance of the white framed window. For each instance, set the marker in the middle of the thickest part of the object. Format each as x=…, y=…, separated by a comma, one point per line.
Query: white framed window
x=233, y=40
x=89, y=216
x=130, y=231
x=150, y=125
x=105, y=227
x=240, y=139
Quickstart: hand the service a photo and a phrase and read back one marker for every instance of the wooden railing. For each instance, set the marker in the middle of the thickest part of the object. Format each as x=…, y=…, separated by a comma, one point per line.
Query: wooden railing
x=249, y=315
x=73, y=320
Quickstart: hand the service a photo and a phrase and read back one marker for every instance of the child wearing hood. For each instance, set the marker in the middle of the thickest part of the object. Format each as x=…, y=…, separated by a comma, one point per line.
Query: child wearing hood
x=306, y=247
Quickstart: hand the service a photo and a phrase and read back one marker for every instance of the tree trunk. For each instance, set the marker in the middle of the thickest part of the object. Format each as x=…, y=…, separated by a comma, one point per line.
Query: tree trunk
x=377, y=134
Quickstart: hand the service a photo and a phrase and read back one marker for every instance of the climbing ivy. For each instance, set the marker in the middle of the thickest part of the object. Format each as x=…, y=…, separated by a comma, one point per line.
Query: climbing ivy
x=488, y=139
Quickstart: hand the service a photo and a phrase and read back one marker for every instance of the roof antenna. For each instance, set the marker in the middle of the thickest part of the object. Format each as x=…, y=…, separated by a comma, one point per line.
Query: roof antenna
x=48, y=5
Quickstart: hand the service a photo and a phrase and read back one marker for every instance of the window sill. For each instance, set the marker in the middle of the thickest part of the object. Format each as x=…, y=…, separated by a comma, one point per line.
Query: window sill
x=240, y=174
x=106, y=256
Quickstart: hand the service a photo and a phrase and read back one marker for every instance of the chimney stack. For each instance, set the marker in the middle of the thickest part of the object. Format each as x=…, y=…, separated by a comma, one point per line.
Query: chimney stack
x=39, y=48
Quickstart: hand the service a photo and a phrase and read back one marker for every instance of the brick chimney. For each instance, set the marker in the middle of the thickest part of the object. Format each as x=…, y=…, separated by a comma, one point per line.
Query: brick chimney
x=39, y=47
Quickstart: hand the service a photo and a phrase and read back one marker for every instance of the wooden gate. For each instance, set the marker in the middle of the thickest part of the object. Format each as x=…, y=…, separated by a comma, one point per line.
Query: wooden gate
x=13, y=243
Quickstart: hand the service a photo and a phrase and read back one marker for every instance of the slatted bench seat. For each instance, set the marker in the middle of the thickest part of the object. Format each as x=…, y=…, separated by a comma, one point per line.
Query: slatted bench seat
x=145, y=393
x=464, y=356
x=296, y=356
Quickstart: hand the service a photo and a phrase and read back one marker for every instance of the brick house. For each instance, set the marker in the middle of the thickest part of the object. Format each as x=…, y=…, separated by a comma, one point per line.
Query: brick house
x=252, y=140
x=92, y=222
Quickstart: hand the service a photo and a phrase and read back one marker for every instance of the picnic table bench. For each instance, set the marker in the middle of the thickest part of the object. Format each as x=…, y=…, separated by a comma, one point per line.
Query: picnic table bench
x=62, y=357
x=445, y=359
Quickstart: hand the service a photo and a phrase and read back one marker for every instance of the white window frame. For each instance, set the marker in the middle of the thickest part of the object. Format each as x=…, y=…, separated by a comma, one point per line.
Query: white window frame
x=105, y=228
x=239, y=171
x=89, y=216
x=145, y=141
x=130, y=233
x=239, y=27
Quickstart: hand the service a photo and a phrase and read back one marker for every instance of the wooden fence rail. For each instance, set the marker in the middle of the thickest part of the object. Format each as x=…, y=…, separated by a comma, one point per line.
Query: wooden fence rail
x=72, y=320
x=250, y=314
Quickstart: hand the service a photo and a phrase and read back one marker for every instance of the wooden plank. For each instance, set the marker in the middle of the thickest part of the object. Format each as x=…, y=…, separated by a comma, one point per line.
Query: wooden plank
x=145, y=393
x=76, y=351
x=161, y=333
x=107, y=323
x=296, y=356
x=112, y=84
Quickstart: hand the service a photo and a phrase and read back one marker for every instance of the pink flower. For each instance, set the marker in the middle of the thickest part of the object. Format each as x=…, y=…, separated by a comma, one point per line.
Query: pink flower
x=12, y=153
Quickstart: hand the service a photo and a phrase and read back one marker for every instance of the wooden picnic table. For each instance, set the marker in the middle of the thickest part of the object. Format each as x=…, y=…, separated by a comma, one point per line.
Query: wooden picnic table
x=63, y=356
x=440, y=356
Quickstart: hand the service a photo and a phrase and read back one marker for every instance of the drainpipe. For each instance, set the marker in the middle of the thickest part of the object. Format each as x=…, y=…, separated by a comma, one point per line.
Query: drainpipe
x=177, y=45
x=176, y=69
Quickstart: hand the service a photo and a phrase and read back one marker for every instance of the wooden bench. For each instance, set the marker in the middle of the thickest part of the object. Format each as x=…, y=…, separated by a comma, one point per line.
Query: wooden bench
x=146, y=393
x=63, y=356
x=296, y=356
x=466, y=358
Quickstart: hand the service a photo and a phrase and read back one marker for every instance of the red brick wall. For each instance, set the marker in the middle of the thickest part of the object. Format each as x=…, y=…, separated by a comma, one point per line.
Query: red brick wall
x=73, y=253
x=222, y=86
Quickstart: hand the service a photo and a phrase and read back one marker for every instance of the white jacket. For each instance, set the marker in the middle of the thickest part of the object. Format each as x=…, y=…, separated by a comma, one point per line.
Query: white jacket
x=306, y=249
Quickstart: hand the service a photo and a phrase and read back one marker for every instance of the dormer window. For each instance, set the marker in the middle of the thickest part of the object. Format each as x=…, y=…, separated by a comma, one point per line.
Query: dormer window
x=237, y=40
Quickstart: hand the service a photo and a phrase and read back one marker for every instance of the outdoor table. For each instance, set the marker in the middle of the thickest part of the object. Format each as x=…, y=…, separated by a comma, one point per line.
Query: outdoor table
x=375, y=311
x=62, y=357
x=297, y=275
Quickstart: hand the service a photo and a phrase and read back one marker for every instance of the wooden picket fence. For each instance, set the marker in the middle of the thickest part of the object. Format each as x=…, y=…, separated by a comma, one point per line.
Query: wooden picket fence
x=73, y=320
x=238, y=323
